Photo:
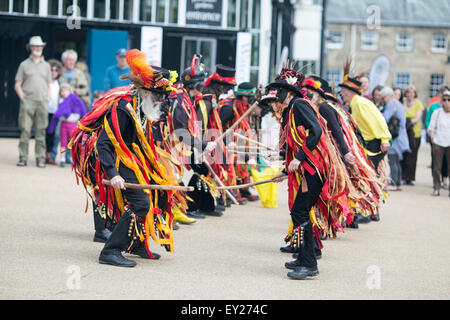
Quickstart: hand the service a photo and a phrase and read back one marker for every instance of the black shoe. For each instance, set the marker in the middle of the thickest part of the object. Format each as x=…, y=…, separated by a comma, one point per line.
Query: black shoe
x=102, y=236
x=141, y=252
x=287, y=249
x=292, y=264
x=361, y=219
x=301, y=273
x=409, y=183
x=318, y=254
x=195, y=214
x=220, y=207
x=116, y=259
x=21, y=163
x=353, y=225
x=213, y=213
x=375, y=218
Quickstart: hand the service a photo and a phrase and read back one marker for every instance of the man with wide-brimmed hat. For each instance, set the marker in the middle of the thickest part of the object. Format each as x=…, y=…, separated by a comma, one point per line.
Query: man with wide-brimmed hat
x=115, y=138
x=32, y=85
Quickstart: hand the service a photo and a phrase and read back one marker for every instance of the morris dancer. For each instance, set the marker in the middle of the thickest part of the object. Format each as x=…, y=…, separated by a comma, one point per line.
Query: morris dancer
x=114, y=140
x=185, y=126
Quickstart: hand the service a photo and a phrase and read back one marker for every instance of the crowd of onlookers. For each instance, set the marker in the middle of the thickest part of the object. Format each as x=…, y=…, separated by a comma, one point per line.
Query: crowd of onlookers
x=414, y=120
x=54, y=95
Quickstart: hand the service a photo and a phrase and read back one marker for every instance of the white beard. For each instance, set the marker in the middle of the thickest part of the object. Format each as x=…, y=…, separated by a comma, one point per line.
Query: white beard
x=151, y=108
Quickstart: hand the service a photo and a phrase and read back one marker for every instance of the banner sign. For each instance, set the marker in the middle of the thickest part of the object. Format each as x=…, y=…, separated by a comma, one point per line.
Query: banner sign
x=204, y=12
x=151, y=44
x=243, y=56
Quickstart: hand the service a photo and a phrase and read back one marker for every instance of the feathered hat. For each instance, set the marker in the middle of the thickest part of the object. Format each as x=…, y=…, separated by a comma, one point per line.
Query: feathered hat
x=194, y=74
x=352, y=84
x=289, y=79
x=247, y=89
x=145, y=76
x=321, y=86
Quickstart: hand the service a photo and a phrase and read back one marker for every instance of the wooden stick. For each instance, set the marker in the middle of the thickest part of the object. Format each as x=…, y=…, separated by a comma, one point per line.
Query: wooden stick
x=247, y=153
x=230, y=129
x=220, y=182
x=253, y=141
x=248, y=185
x=152, y=186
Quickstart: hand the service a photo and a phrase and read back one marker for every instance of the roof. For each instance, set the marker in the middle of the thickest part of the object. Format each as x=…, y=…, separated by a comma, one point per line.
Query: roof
x=415, y=13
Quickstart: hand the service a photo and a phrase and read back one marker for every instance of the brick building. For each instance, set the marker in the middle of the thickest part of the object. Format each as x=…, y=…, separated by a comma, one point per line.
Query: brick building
x=412, y=34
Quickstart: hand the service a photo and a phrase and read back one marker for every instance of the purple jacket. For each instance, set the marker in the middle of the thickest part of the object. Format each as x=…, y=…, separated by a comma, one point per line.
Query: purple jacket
x=71, y=104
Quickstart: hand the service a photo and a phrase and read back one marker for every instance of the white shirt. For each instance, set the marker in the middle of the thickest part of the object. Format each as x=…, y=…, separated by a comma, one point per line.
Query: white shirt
x=54, y=97
x=440, y=127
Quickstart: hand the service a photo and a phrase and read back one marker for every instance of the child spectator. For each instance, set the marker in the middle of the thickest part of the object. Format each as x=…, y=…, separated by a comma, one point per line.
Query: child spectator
x=70, y=111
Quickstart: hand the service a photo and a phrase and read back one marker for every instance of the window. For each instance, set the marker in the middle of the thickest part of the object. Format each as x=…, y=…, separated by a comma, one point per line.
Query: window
x=99, y=9
x=437, y=79
x=244, y=14
x=52, y=7
x=19, y=6
x=404, y=42
x=231, y=15
x=4, y=5
x=334, y=77
x=33, y=6
x=173, y=11
x=439, y=43
x=160, y=10
x=145, y=13
x=114, y=9
x=402, y=80
x=369, y=40
x=127, y=10
x=256, y=14
x=335, y=40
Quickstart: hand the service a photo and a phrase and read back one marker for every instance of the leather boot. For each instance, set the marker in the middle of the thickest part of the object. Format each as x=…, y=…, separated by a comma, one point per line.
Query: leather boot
x=101, y=233
x=117, y=242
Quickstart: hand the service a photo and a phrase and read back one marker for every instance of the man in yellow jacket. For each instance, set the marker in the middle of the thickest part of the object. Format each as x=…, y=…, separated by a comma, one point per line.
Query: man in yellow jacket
x=370, y=121
x=371, y=124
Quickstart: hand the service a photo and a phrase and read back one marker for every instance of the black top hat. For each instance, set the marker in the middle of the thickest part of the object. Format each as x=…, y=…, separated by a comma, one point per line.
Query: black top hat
x=289, y=79
x=352, y=84
x=223, y=75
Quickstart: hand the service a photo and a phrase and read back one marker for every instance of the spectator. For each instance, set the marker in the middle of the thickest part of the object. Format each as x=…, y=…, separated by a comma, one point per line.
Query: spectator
x=70, y=111
x=398, y=94
x=33, y=87
x=56, y=68
x=83, y=67
x=413, y=111
x=114, y=72
x=439, y=131
x=97, y=95
x=377, y=98
x=400, y=144
x=364, y=79
x=435, y=106
x=75, y=77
